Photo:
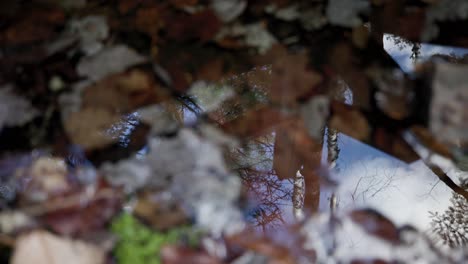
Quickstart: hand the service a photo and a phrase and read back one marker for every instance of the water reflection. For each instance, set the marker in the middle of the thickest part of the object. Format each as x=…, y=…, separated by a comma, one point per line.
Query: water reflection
x=406, y=53
x=366, y=177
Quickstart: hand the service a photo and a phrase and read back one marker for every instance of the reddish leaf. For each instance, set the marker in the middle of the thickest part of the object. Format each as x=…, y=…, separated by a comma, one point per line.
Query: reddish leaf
x=202, y=26
x=81, y=216
x=33, y=26
x=159, y=213
x=177, y=254
x=376, y=224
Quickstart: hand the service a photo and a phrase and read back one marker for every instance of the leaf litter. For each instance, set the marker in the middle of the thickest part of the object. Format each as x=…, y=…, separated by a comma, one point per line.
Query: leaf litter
x=210, y=131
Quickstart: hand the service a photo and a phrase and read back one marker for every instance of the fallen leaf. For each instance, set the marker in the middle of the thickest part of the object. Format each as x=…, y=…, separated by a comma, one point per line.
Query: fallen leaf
x=291, y=79
x=45, y=178
x=88, y=127
x=293, y=148
x=82, y=212
x=315, y=114
x=43, y=247
x=345, y=62
x=110, y=60
x=149, y=19
x=126, y=6
x=228, y=10
x=124, y=92
x=91, y=31
x=254, y=122
x=32, y=26
x=201, y=26
x=14, y=109
x=349, y=121
x=376, y=224
x=183, y=3
x=158, y=212
x=360, y=36
x=346, y=13
x=448, y=115
x=178, y=254
x=13, y=221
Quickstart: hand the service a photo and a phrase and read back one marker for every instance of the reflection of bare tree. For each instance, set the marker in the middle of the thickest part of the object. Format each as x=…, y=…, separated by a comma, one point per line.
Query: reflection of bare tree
x=253, y=163
x=452, y=226
x=270, y=194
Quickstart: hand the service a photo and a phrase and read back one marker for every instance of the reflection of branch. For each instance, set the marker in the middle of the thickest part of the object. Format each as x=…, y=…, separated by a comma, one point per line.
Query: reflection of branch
x=446, y=179
x=414, y=141
x=355, y=189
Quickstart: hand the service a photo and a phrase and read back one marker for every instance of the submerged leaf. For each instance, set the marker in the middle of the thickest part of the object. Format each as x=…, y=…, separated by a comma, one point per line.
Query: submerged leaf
x=42, y=247
x=14, y=110
x=110, y=60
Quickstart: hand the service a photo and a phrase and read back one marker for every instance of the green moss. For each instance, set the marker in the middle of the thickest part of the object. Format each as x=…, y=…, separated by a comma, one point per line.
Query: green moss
x=139, y=244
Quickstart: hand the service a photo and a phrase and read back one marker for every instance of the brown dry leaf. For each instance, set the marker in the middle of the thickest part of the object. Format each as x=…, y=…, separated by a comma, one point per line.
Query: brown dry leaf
x=126, y=6
x=376, y=224
x=349, y=121
x=428, y=140
x=33, y=26
x=42, y=247
x=448, y=118
x=149, y=20
x=254, y=122
x=178, y=254
x=159, y=213
x=263, y=245
x=360, y=36
x=343, y=61
x=88, y=127
x=124, y=92
x=183, y=3
x=211, y=71
x=85, y=213
x=371, y=261
x=202, y=26
x=293, y=148
x=291, y=79
x=412, y=23
x=47, y=177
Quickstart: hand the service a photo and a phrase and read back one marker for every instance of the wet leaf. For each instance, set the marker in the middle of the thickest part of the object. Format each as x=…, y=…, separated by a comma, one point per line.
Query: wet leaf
x=160, y=211
x=201, y=26
x=202, y=182
x=149, y=19
x=82, y=213
x=88, y=127
x=129, y=174
x=228, y=10
x=291, y=79
x=13, y=221
x=376, y=224
x=44, y=247
x=293, y=148
x=110, y=60
x=448, y=118
x=315, y=113
x=45, y=178
x=254, y=122
x=177, y=254
x=14, y=109
x=37, y=25
x=349, y=121
x=124, y=92
x=210, y=96
x=183, y=3
x=345, y=13
x=91, y=31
